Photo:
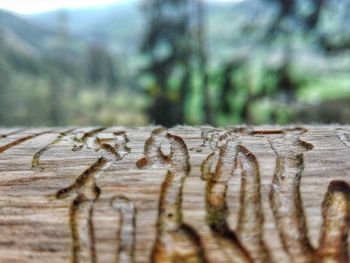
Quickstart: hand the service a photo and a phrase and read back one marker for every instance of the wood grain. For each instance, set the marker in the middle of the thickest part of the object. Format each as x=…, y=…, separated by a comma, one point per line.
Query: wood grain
x=185, y=194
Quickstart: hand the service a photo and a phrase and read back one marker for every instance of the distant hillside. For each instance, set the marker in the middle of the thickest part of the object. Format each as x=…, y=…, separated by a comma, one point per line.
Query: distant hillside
x=120, y=28
x=117, y=26
x=23, y=35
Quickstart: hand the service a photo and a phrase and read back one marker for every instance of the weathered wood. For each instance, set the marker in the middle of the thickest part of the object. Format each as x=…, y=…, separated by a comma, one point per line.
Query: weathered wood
x=186, y=194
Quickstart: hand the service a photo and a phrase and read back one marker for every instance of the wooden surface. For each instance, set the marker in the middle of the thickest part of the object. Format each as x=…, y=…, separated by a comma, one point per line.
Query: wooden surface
x=186, y=194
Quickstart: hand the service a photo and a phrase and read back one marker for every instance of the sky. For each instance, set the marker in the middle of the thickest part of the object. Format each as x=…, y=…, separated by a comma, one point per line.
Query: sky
x=37, y=6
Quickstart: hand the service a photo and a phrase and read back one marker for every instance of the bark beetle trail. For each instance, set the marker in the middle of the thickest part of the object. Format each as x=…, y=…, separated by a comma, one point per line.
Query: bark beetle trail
x=126, y=233
x=251, y=219
x=152, y=150
x=336, y=218
x=21, y=140
x=87, y=191
x=224, y=158
x=81, y=211
x=60, y=137
x=81, y=139
x=209, y=137
x=287, y=206
x=216, y=206
x=335, y=230
x=175, y=241
x=285, y=195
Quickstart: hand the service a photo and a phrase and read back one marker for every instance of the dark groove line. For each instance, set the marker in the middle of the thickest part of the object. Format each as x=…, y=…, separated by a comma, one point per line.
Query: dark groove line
x=207, y=165
x=81, y=211
x=170, y=225
x=83, y=243
x=266, y=132
x=251, y=218
x=80, y=142
x=21, y=140
x=126, y=233
x=175, y=240
x=11, y=133
x=118, y=150
x=224, y=158
x=152, y=150
x=285, y=197
x=60, y=137
x=88, y=192
x=87, y=178
x=336, y=219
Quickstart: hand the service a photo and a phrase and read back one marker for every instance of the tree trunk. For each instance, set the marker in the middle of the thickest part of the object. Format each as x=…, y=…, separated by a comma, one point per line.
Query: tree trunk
x=186, y=194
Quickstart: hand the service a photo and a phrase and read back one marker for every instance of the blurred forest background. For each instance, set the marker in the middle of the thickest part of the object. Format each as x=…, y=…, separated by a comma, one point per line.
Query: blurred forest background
x=139, y=62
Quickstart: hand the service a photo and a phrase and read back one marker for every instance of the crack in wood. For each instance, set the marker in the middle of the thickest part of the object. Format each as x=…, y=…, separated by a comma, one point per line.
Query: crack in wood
x=21, y=140
x=59, y=138
x=176, y=241
x=127, y=225
x=87, y=191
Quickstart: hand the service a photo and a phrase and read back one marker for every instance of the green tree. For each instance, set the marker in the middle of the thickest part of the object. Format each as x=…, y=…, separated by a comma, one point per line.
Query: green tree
x=202, y=55
x=168, y=47
x=5, y=84
x=101, y=67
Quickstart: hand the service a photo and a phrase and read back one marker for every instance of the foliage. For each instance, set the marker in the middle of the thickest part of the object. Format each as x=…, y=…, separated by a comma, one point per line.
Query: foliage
x=177, y=61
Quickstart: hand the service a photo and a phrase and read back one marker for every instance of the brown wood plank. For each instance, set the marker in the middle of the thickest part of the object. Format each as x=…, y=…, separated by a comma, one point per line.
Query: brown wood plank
x=185, y=194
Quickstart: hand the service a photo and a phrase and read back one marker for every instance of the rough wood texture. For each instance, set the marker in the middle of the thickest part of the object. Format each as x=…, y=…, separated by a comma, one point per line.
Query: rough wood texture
x=186, y=194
